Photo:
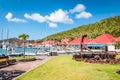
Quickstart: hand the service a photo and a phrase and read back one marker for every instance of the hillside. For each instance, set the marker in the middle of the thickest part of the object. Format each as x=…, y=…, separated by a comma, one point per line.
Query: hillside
x=10, y=40
x=110, y=25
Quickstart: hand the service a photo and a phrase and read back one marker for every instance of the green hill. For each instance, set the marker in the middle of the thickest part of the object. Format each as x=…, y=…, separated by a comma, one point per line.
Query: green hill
x=110, y=25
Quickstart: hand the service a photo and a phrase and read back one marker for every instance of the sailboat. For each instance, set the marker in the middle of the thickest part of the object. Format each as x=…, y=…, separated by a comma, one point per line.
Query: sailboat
x=5, y=44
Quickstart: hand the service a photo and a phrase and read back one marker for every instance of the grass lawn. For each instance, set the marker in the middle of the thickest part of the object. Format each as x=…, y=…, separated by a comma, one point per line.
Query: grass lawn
x=64, y=68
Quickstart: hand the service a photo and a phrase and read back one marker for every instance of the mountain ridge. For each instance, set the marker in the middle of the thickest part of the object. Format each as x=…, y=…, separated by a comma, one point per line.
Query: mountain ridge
x=109, y=25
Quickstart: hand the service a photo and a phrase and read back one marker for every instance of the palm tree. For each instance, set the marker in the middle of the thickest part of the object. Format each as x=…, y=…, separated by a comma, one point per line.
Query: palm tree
x=23, y=37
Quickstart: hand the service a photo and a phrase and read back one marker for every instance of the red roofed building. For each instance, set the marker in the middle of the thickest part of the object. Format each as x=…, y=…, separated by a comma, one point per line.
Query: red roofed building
x=36, y=44
x=78, y=40
x=118, y=39
x=49, y=42
x=103, y=39
x=100, y=41
x=65, y=41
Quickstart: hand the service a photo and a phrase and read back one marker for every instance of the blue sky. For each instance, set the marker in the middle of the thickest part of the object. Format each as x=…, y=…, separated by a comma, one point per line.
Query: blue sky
x=40, y=18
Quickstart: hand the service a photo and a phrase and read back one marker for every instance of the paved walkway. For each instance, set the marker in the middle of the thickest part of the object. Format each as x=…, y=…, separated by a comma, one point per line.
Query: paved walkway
x=26, y=66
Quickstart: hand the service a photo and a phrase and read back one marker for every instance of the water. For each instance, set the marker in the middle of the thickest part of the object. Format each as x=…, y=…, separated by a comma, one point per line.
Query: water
x=31, y=50
x=2, y=51
x=20, y=51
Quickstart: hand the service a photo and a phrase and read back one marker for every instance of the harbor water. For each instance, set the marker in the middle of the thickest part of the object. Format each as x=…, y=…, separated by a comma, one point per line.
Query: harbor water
x=32, y=51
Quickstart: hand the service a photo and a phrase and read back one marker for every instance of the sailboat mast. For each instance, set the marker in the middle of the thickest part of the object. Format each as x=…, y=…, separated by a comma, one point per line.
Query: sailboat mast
x=7, y=34
x=2, y=35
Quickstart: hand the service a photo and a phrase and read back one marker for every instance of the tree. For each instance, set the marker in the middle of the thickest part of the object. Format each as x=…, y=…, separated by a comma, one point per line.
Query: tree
x=23, y=37
x=117, y=45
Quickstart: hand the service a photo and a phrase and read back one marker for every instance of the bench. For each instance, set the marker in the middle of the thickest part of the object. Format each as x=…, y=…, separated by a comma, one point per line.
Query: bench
x=5, y=60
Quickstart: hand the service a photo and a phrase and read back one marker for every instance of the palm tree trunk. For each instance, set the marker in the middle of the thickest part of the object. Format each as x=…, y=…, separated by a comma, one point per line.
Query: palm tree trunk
x=24, y=50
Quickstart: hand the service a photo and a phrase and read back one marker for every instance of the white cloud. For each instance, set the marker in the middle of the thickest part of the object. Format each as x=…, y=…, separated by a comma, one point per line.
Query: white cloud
x=59, y=16
x=83, y=14
x=78, y=8
x=35, y=17
x=39, y=18
x=9, y=17
x=53, y=25
x=79, y=11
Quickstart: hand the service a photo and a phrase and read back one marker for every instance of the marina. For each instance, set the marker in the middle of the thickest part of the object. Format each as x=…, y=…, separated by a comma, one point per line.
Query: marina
x=59, y=40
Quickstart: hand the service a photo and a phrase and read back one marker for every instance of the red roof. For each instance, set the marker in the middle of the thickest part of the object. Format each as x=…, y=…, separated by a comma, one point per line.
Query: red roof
x=78, y=40
x=118, y=39
x=103, y=39
x=65, y=40
x=50, y=42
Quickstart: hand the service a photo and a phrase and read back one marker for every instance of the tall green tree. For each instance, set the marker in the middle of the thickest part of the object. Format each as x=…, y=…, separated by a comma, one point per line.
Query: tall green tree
x=117, y=45
x=23, y=37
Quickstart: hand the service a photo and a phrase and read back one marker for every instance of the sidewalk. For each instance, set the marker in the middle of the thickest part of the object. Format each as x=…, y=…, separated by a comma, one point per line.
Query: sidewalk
x=25, y=66
x=10, y=72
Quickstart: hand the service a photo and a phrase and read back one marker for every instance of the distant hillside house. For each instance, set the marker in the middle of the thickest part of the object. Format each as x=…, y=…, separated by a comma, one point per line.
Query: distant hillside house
x=65, y=41
x=48, y=43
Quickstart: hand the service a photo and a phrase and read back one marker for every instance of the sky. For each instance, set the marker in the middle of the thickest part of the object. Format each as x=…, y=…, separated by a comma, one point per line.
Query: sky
x=40, y=18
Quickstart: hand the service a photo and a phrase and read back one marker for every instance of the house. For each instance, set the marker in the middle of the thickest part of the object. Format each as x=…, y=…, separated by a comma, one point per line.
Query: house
x=65, y=41
x=75, y=44
x=48, y=43
x=105, y=39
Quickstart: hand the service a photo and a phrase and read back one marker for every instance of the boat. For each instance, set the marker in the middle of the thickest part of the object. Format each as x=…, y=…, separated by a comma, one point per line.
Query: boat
x=30, y=53
x=42, y=52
